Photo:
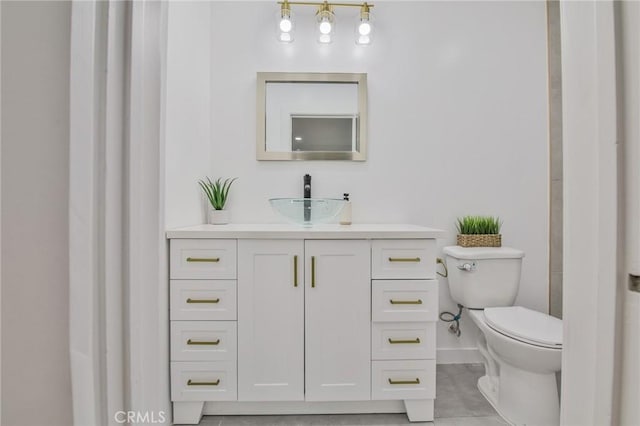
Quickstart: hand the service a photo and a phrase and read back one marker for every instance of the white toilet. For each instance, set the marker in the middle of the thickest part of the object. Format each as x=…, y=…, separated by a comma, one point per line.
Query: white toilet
x=522, y=348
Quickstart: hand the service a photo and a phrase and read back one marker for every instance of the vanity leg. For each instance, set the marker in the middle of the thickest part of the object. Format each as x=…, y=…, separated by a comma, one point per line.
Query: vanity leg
x=419, y=410
x=187, y=413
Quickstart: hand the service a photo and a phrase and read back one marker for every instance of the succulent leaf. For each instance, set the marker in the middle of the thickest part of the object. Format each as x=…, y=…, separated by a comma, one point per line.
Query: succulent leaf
x=216, y=191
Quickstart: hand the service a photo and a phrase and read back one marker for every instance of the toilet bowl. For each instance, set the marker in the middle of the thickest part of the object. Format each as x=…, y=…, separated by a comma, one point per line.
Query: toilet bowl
x=525, y=348
x=521, y=348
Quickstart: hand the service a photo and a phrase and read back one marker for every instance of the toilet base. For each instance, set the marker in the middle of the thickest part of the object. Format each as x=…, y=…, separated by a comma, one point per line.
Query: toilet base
x=487, y=390
x=534, y=405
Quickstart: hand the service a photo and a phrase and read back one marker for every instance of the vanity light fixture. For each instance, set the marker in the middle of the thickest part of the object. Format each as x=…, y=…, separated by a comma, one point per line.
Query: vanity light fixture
x=326, y=24
x=364, y=26
x=325, y=20
x=285, y=23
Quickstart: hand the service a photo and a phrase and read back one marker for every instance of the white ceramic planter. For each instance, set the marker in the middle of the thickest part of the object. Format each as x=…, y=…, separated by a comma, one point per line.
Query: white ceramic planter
x=219, y=217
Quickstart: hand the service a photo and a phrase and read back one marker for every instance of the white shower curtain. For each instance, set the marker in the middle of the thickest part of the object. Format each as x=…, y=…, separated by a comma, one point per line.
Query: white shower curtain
x=117, y=248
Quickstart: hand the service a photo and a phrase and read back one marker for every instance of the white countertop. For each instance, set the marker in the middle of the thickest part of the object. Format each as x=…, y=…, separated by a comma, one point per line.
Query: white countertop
x=291, y=231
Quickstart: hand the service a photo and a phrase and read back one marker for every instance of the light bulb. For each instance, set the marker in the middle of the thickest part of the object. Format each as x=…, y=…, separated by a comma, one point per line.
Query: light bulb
x=364, y=28
x=325, y=27
x=325, y=22
x=285, y=25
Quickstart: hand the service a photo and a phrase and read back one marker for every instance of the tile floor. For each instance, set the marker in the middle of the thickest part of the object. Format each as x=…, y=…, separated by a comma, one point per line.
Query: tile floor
x=459, y=403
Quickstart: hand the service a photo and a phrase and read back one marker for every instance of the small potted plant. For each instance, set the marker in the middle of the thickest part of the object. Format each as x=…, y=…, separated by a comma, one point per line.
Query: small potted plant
x=217, y=193
x=479, y=231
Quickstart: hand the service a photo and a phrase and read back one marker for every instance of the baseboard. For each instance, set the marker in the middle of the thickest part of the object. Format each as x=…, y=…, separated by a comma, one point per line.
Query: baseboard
x=458, y=356
x=302, y=407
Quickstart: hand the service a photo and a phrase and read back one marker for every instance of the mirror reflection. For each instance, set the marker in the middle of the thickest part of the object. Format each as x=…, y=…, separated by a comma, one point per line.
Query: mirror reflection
x=311, y=116
x=324, y=133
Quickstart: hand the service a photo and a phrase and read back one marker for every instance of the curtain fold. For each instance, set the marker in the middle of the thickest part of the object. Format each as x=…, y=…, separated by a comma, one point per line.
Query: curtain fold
x=118, y=308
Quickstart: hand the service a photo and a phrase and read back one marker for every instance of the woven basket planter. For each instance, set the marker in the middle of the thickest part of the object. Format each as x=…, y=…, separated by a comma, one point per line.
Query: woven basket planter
x=480, y=240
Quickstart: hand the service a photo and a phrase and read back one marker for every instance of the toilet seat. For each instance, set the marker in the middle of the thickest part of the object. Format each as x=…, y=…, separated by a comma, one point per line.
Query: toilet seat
x=526, y=325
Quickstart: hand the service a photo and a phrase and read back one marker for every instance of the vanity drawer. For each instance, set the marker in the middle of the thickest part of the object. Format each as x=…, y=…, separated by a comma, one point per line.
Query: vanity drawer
x=403, y=340
x=202, y=299
x=403, y=379
x=204, y=381
x=203, y=340
x=399, y=300
x=403, y=259
x=203, y=259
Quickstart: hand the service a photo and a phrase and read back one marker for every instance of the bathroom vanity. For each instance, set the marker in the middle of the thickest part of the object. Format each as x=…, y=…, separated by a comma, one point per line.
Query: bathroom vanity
x=283, y=319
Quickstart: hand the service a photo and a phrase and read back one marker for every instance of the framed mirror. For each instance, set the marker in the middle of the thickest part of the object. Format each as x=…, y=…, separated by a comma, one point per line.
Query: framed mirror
x=311, y=116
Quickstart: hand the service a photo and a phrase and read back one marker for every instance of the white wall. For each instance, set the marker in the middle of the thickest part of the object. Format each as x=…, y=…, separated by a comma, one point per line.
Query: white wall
x=457, y=120
x=187, y=120
x=35, y=158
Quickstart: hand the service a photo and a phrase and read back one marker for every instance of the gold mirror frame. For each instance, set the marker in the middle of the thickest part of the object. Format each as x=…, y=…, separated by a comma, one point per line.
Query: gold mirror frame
x=284, y=77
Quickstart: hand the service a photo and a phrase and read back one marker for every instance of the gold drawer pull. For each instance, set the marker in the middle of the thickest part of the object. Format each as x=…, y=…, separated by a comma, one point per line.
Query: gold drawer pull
x=404, y=382
x=404, y=259
x=192, y=383
x=192, y=342
x=313, y=272
x=203, y=259
x=190, y=300
x=295, y=271
x=393, y=342
x=405, y=302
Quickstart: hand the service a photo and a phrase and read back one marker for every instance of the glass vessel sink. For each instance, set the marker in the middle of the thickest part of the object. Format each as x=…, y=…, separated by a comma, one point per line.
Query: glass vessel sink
x=308, y=211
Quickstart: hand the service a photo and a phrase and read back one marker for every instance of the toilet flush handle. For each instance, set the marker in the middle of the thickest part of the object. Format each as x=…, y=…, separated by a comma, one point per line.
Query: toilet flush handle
x=469, y=267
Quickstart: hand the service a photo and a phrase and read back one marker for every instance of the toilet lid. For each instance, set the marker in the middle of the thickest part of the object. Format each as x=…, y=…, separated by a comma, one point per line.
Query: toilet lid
x=477, y=253
x=526, y=325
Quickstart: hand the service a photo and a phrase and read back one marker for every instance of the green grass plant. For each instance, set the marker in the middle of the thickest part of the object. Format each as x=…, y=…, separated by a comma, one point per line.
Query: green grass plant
x=216, y=192
x=477, y=225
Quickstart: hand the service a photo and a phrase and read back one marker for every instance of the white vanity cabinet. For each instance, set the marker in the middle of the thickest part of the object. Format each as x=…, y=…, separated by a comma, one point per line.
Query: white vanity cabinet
x=304, y=338
x=278, y=319
x=404, y=315
x=203, y=312
x=337, y=320
x=271, y=320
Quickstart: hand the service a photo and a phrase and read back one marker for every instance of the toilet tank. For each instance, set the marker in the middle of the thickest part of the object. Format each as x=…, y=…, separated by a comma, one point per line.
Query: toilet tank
x=482, y=277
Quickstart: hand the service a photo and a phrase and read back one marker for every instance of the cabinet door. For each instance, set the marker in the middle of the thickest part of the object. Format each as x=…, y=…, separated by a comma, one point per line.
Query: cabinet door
x=270, y=320
x=337, y=320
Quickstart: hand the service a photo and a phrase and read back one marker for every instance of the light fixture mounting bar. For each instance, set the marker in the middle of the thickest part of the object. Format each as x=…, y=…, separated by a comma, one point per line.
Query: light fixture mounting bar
x=321, y=3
